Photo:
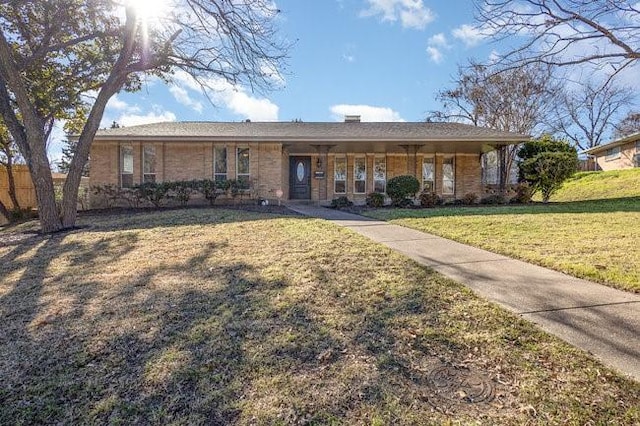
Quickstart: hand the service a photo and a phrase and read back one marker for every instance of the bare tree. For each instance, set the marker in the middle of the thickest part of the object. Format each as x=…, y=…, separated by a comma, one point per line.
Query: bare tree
x=54, y=53
x=586, y=115
x=628, y=125
x=565, y=32
x=516, y=100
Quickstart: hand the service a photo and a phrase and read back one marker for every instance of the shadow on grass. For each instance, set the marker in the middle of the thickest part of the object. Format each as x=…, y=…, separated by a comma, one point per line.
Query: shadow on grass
x=204, y=340
x=631, y=204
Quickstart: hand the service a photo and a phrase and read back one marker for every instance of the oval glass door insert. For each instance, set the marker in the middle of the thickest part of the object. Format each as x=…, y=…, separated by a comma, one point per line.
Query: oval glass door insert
x=300, y=171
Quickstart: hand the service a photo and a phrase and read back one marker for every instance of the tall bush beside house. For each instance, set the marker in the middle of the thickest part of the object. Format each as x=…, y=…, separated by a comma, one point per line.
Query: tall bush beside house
x=400, y=188
x=546, y=164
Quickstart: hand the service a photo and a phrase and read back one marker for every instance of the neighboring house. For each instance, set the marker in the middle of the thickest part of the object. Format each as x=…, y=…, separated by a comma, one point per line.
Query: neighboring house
x=298, y=161
x=623, y=153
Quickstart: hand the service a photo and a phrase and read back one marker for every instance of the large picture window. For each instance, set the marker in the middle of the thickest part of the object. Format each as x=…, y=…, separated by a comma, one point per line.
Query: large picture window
x=220, y=163
x=340, y=175
x=360, y=175
x=428, y=174
x=379, y=174
x=242, y=168
x=126, y=166
x=149, y=163
x=448, y=176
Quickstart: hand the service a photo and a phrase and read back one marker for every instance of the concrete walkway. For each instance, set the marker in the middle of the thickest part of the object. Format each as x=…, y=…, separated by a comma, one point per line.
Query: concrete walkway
x=593, y=317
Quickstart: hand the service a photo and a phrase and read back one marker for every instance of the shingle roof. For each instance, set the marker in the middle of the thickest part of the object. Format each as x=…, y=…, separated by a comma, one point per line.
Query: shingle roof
x=294, y=131
x=622, y=141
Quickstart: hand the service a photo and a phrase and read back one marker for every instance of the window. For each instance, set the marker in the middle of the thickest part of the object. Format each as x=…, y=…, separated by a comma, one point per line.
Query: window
x=428, y=175
x=360, y=175
x=149, y=163
x=220, y=163
x=242, y=168
x=379, y=174
x=340, y=176
x=638, y=147
x=612, y=153
x=126, y=167
x=448, y=176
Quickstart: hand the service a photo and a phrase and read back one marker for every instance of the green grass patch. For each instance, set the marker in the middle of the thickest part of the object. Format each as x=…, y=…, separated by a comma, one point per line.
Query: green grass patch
x=212, y=316
x=596, y=240
x=600, y=185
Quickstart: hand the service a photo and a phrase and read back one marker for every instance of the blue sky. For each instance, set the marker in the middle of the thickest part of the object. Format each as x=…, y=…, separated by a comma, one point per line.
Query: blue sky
x=382, y=59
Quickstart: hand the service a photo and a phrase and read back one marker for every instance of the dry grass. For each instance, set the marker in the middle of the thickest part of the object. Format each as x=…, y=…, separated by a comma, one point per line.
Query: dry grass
x=595, y=240
x=221, y=317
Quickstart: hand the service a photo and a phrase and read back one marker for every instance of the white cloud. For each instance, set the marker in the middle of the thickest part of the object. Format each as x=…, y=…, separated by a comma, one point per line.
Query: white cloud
x=366, y=113
x=410, y=13
x=118, y=104
x=235, y=98
x=435, y=54
x=181, y=95
x=468, y=34
x=156, y=116
x=438, y=40
x=435, y=45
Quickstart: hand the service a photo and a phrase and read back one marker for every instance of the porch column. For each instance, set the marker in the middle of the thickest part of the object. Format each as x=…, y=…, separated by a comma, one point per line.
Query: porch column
x=323, y=156
x=411, y=151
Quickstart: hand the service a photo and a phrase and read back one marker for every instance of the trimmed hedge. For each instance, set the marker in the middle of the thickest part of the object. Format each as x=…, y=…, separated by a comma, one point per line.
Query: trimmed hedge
x=400, y=188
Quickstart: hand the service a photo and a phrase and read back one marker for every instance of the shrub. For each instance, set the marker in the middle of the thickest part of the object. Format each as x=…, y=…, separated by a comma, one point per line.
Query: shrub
x=340, y=202
x=546, y=164
x=493, y=199
x=523, y=194
x=209, y=189
x=182, y=190
x=430, y=199
x=153, y=192
x=400, y=188
x=470, y=198
x=375, y=199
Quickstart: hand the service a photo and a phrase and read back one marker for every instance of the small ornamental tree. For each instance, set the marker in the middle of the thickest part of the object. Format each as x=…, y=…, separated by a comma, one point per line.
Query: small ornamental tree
x=400, y=188
x=546, y=164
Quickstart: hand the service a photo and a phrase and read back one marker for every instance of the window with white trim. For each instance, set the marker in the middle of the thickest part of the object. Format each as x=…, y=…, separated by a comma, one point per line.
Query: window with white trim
x=612, y=153
x=149, y=164
x=448, y=176
x=360, y=175
x=126, y=166
x=340, y=175
x=220, y=163
x=379, y=174
x=428, y=174
x=242, y=167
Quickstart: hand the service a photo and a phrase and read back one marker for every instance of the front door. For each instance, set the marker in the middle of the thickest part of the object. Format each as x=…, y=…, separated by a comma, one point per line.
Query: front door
x=300, y=178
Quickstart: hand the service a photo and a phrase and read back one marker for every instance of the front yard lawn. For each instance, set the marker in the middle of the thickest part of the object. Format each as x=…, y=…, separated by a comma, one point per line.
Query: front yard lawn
x=597, y=240
x=211, y=316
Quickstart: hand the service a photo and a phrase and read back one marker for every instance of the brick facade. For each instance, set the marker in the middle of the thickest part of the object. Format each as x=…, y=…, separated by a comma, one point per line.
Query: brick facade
x=269, y=167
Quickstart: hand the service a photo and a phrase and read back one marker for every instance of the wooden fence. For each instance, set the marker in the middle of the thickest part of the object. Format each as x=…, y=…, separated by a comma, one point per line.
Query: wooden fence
x=25, y=192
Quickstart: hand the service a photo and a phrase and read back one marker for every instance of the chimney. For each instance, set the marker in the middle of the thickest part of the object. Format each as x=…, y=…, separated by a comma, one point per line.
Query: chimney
x=351, y=118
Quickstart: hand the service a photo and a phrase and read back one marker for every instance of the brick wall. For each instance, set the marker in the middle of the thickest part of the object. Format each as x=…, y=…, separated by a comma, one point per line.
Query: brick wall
x=269, y=168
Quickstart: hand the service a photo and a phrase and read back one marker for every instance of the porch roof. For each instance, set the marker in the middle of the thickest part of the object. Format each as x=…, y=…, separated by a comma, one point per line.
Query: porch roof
x=340, y=137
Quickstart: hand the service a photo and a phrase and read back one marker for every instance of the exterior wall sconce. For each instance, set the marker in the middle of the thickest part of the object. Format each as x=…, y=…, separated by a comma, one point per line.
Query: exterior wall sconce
x=318, y=164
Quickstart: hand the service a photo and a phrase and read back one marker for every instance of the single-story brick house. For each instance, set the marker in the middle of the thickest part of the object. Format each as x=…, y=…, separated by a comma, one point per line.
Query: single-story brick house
x=622, y=153
x=296, y=160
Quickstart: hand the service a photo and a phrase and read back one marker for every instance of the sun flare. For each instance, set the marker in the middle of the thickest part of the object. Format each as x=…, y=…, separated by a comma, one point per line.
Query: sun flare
x=150, y=11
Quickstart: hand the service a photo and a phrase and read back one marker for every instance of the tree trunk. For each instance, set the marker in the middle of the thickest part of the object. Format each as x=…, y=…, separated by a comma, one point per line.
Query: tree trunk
x=502, y=168
x=45, y=193
x=4, y=211
x=12, y=182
